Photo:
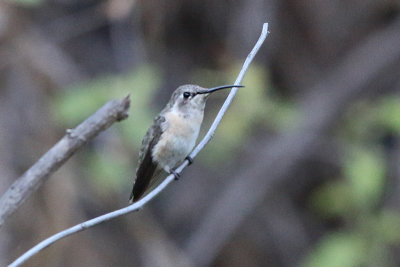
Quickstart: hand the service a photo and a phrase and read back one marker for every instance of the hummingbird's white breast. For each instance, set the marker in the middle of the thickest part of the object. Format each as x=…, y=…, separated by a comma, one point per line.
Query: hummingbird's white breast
x=180, y=132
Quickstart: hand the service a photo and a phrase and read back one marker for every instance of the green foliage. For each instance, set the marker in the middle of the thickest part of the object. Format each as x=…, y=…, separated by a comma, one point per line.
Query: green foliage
x=28, y=3
x=337, y=250
x=332, y=199
x=366, y=244
x=364, y=167
x=109, y=172
x=388, y=225
x=388, y=114
x=365, y=170
x=366, y=120
x=362, y=189
x=81, y=100
x=355, y=198
x=78, y=102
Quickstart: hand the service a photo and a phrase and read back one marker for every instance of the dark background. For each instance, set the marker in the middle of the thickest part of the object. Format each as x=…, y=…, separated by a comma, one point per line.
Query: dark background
x=303, y=171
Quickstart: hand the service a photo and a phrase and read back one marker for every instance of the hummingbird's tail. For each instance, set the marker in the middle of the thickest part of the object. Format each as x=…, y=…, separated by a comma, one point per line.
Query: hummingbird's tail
x=139, y=189
x=131, y=198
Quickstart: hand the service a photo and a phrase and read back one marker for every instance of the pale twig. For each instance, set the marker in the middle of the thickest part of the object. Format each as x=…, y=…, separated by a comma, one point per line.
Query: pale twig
x=138, y=205
x=232, y=94
x=35, y=176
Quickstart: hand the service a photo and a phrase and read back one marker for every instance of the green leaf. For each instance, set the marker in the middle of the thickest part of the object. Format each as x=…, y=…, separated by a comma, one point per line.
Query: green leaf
x=388, y=227
x=28, y=3
x=389, y=113
x=333, y=199
x=367, y=120
x=108, y=172
x=337, y=250
x=81, y=100
x=365, y=170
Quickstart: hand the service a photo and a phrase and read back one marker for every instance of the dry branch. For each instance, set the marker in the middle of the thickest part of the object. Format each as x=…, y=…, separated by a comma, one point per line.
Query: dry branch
x=34, y=177
x=138, y=205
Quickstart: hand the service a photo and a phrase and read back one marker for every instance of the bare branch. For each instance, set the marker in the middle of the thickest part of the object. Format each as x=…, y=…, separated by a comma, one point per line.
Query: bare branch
x=138, y=205
x=34, y=177
x=233, y=92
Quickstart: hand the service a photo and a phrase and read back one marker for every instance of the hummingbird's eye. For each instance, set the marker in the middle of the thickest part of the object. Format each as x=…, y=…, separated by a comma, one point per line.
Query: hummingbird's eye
x=186, y=94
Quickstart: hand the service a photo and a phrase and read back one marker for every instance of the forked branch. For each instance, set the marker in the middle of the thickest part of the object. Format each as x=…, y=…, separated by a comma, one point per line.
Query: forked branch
x=35, y=176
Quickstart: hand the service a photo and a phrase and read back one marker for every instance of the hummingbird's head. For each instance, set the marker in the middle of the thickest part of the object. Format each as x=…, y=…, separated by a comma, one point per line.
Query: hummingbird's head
x=193, y=97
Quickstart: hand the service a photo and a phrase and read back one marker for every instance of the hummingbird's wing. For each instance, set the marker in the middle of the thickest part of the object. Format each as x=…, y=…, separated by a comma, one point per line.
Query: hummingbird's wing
x=147, y=168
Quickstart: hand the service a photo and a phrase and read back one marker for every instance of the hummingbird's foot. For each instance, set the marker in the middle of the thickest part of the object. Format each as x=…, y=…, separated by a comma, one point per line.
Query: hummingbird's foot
x=177, y=175
x=189, y=159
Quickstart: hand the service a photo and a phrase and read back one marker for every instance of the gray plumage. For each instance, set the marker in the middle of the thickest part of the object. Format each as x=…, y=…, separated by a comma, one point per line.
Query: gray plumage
x=171, y=137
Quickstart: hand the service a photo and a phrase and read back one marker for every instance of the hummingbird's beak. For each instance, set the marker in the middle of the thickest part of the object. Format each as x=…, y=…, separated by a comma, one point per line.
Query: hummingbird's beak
x=210, y=90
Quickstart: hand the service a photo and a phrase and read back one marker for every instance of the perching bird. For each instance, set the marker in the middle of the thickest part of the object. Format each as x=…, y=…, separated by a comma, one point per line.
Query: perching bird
x=171, y=137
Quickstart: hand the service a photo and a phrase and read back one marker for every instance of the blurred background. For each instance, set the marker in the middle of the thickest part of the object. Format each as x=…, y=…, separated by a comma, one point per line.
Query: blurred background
x=303, y=171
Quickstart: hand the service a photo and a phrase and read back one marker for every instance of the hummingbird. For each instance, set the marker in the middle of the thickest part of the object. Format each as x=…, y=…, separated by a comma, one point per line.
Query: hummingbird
x=171, y=137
